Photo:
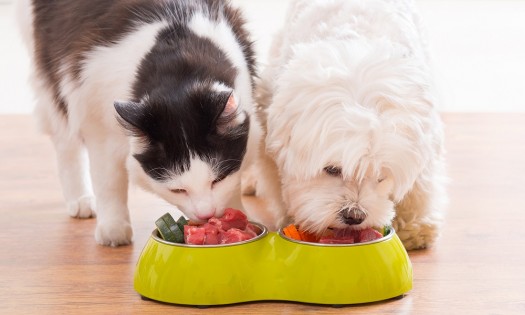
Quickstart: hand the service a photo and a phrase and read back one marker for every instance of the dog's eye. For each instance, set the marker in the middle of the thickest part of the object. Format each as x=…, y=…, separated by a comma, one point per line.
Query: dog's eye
x=381, y=179
x=178, y=191
x=333, y=170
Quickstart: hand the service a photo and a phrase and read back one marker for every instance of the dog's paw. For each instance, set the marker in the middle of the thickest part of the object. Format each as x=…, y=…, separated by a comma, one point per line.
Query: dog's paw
x=82, y=208
x=417, y=235
x=113, y=233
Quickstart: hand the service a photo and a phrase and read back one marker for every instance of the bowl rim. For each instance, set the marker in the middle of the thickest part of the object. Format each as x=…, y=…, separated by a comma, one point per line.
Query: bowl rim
x=264, y=232
x=386, y=237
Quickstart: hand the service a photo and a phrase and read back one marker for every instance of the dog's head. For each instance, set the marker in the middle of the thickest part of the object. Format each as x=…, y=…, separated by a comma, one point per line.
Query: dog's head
x=347, y=130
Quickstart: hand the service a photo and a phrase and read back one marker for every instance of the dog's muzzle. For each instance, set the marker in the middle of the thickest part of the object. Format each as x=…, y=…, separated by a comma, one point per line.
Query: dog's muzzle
x=352, y=216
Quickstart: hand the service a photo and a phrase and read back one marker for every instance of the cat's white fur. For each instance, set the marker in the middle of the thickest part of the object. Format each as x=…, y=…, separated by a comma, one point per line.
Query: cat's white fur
x=92, y=130
x=221, y=36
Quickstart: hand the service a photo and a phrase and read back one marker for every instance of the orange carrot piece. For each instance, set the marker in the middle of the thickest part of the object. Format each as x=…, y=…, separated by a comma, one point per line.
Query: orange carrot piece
x=291, y=232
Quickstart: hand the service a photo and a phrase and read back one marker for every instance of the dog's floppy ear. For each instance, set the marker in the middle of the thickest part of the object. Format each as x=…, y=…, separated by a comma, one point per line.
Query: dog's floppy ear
x=131, y=116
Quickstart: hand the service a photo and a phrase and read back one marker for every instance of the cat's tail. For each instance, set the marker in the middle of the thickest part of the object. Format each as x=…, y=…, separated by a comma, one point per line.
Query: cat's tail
x=24, y=18
x=44, y=113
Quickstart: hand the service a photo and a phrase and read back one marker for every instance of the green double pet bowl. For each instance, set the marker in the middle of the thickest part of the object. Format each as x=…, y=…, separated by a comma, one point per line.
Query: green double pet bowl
x=273, y=267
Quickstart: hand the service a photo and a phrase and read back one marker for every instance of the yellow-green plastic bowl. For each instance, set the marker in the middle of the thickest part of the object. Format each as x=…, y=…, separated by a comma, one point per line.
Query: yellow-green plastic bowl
x=273, y=267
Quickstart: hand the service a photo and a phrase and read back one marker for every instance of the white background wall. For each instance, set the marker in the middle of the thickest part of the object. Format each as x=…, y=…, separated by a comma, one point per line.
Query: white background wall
x=478, y=48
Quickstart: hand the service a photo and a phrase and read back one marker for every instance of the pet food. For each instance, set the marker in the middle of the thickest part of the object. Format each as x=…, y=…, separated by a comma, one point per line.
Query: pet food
x=334, y=236
x=232, y=227
x=296, y=234
x=348, y=236
x=170, y=230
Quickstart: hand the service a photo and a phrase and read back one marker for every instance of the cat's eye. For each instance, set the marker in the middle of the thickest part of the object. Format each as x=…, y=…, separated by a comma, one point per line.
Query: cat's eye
x=216, y=180
x=178, y=191
x=333, y=171
x=381, y=179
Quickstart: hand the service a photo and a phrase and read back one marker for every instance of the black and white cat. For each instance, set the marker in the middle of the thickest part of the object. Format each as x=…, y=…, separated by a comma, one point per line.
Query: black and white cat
x=176, y=74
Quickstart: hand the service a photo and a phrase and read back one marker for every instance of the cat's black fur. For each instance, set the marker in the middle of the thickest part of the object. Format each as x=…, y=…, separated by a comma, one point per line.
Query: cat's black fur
x=184, y=96
x=179, y=118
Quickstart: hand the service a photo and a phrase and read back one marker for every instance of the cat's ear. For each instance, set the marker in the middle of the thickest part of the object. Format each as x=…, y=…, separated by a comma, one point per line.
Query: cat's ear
x=230, y=116
x=130, y=116
x=231, y=106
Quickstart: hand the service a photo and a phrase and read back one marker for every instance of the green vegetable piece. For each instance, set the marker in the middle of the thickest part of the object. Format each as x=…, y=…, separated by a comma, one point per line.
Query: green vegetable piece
x=168, y=219
x=165, y=231
x=178, y=233
x=170, y=230
x=181, y=222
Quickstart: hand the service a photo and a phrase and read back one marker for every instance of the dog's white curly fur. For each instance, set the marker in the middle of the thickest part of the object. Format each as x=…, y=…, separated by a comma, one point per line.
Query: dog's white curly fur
x=348, y=85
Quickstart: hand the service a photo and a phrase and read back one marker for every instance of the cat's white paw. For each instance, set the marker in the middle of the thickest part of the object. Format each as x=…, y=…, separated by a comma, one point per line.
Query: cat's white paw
x=82, y=208
x=113, y=233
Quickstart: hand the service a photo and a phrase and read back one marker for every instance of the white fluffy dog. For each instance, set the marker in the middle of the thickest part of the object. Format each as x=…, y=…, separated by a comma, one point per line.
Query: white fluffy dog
x=352, y=136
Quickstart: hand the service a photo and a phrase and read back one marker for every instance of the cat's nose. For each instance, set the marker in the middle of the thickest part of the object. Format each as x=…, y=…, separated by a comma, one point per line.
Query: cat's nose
x=205, y=215
x=353, y=216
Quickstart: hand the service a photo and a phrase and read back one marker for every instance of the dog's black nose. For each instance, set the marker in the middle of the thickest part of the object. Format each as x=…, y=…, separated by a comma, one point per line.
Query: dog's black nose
x=353, y=216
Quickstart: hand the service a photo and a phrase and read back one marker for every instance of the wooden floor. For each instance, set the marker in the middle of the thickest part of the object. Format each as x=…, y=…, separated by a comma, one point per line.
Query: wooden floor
x=50, y=264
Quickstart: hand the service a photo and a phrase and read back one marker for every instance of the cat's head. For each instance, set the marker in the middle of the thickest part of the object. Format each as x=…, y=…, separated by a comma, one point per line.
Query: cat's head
x=187, y=146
